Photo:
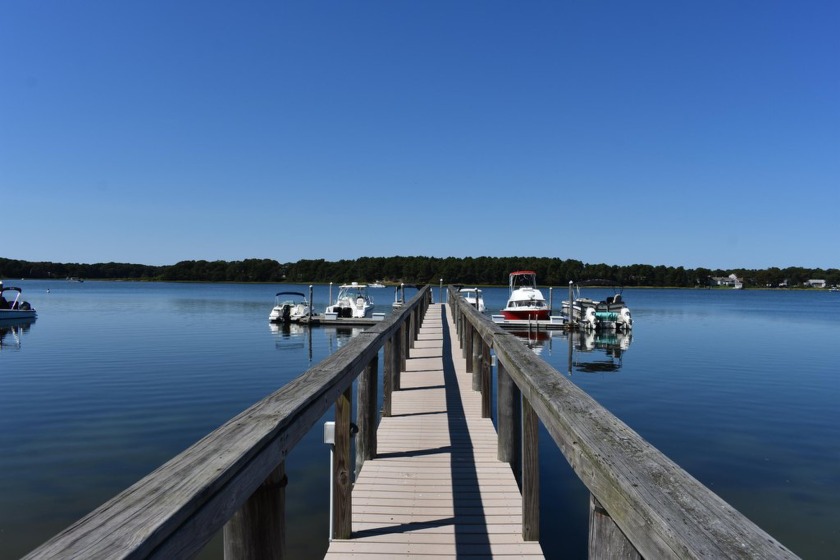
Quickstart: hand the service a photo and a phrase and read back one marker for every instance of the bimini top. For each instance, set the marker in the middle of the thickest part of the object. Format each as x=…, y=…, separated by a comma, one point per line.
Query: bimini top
x=523, y=279
x=278, y=294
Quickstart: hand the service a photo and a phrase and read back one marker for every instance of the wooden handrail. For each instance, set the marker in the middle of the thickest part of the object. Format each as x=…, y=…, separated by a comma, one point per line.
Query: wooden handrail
x=643, y=504
x=174, y=511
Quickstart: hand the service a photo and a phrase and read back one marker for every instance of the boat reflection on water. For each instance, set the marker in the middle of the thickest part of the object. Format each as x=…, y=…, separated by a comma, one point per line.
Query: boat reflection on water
x=612, y=344
x=11, y=331
x=338, y=336
x=291, y=336
x=536, y=340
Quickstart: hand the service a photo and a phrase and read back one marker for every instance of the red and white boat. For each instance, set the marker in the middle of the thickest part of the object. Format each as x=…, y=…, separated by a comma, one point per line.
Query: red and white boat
x=525, y=301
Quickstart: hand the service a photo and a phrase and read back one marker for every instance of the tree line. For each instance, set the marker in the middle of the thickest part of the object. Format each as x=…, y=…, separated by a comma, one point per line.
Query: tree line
x=485, y=271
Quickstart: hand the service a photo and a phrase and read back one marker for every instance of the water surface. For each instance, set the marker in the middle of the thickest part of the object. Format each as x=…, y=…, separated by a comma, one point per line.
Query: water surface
x=115, y=378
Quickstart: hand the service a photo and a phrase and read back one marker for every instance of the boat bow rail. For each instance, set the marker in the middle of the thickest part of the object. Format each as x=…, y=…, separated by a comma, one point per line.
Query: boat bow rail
x=642, y=504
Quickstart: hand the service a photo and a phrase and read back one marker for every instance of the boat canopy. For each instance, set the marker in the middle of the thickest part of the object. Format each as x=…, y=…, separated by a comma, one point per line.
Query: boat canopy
x=523, y=279
x=278, y=294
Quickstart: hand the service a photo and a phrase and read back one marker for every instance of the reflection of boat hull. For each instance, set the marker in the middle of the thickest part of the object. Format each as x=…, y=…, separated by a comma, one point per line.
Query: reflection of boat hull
x=15, y=328
x=534, y=339
x=612, y=343
x=532, y=336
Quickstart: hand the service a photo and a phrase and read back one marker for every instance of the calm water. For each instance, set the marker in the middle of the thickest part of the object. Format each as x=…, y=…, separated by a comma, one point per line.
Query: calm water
x=113, y=379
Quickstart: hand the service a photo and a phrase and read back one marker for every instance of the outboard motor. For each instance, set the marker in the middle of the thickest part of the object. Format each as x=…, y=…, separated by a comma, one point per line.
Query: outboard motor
x=588, y=320
x=625, y=320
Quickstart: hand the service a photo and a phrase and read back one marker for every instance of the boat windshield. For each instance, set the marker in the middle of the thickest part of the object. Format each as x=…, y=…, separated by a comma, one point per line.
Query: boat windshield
x=528, y=303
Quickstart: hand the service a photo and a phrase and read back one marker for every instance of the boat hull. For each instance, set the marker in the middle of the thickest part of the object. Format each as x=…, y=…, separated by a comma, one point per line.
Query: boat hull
x=526, y=314
x=7, y=314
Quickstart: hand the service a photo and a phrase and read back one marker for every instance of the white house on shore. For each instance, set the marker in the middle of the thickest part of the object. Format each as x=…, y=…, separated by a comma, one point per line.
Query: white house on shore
x=732, y=281
x=815, y=283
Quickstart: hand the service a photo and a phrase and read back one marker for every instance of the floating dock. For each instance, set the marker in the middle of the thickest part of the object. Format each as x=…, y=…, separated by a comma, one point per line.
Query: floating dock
x=327, y=319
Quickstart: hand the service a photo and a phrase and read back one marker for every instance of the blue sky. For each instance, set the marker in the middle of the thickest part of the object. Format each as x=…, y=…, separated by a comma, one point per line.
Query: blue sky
x=696, y=134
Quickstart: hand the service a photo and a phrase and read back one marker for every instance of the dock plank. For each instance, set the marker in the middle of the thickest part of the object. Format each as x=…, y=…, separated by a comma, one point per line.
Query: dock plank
x=436, y=489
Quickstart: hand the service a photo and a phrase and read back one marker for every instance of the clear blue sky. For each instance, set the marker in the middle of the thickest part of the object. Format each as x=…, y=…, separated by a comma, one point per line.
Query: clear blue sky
x=696, y=134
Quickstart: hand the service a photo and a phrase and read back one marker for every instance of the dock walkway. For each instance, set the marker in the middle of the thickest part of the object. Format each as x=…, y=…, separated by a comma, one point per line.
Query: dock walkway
x=436, y=488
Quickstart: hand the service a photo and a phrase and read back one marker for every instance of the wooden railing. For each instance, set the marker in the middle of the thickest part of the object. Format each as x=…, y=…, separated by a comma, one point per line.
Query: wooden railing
x=234, y=479
x=642, y=504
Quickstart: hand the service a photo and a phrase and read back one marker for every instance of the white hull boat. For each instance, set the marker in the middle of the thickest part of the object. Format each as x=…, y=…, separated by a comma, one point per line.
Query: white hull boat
x=525, y=301
x=611, y=313
x=473, y=297
x=12, y=305
x=288, y=309
x=353, y=302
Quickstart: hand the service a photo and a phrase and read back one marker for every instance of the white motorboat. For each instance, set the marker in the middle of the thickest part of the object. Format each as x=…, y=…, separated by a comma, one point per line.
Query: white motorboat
x=583, y=313
x=14, y=307
x=473, y=297
x=352, y=301
x=611, y=313
x=376, y=284
x=525, y=301
x=288, y=308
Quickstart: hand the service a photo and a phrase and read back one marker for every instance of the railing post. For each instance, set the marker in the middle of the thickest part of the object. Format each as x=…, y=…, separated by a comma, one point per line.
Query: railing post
x=606, y=541
x=466, y=344
x=366, y=414
x=486, y=381
x=468, y=349
x=388, y=376
x=342, y=483
x=258, y=529
x=420, y=310
x=412, y=331
x=397, y=359
x=509, y=413
x=407, y=342
x=530, y=473
x=476, y=360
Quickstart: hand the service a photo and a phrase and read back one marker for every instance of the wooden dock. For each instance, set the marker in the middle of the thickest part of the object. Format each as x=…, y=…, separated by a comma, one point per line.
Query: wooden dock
x=436, y=488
